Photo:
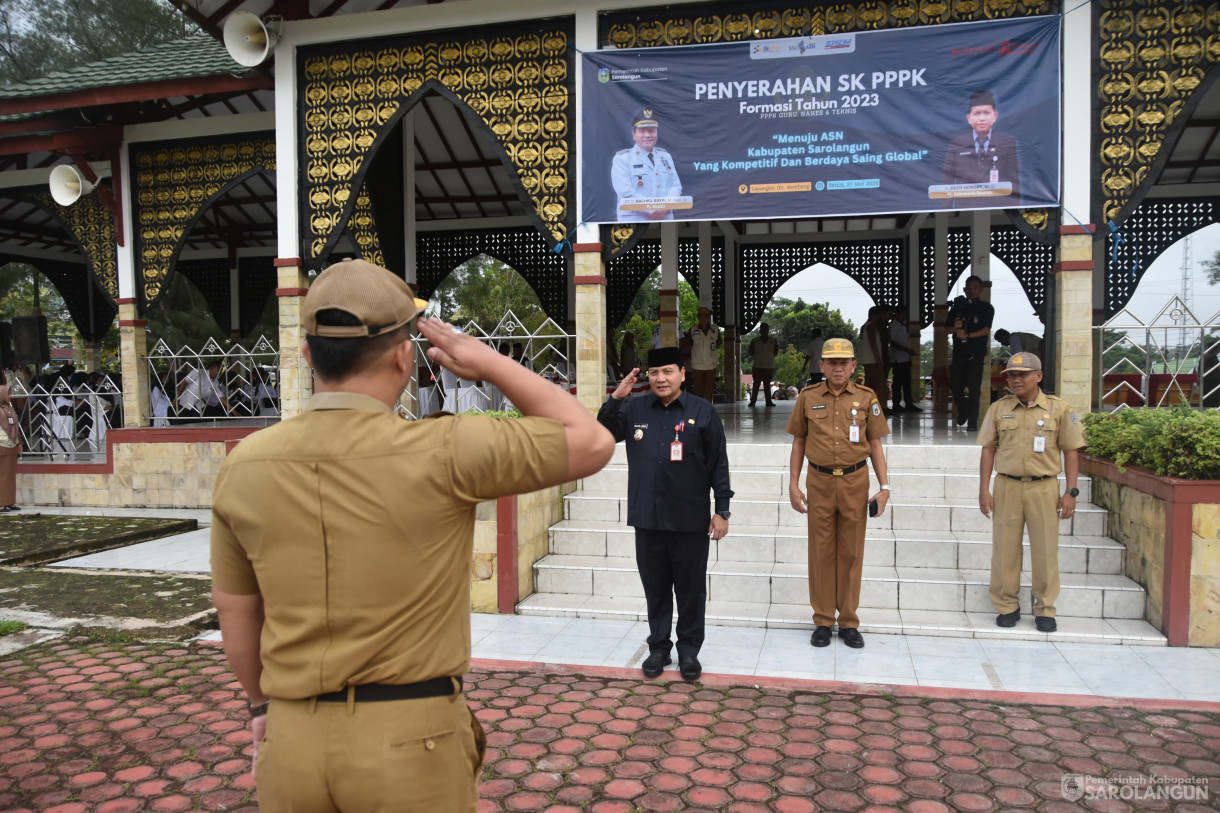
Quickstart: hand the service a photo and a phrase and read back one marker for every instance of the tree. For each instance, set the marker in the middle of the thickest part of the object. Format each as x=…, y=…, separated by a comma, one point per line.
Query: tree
x=1212, y=267
x=790, y=366
x=792, y=323
x=38, y=37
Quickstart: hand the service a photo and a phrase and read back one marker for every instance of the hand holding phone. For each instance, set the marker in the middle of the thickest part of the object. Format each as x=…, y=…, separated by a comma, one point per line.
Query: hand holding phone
x=872, y=508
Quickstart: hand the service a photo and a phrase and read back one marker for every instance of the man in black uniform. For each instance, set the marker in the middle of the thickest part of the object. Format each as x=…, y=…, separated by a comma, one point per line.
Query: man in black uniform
x=971, y=326
x=982, y=155
x=675, y=454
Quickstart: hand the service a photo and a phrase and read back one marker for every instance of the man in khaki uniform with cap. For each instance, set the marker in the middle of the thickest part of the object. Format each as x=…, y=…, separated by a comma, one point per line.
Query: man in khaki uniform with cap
x=341, y=549
x=837, y=425
x=1023, y=435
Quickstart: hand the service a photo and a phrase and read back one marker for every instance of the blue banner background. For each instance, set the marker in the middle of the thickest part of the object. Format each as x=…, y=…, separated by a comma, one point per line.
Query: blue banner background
x=862, y=147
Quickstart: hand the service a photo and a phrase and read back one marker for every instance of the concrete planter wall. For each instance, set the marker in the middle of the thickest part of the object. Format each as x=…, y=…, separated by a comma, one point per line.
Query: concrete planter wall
x=510, y=535
x=177, y=468
x=1171, y=529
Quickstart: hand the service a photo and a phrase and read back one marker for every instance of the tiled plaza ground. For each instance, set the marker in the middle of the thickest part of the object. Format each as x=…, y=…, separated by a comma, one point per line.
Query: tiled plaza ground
x=88, y=726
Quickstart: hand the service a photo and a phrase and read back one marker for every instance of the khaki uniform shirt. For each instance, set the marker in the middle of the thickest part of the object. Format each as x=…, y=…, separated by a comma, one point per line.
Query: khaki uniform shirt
x=824, y=419
x=357, y=528
x=703, y=347
x=1011, y=427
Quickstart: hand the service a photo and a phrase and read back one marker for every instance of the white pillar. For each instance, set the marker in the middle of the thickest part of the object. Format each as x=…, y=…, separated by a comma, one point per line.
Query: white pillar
x=669, y=284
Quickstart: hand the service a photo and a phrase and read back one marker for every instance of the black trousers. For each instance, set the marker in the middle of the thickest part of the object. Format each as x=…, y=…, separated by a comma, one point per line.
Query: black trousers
x=902, y=383
x=965, y=378
x=673, y=564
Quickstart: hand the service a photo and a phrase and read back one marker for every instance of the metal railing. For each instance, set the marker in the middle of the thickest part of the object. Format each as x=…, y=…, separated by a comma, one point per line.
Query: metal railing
x=66, y=420
x=1172, y=359
x=213, y=385
x=546, y=349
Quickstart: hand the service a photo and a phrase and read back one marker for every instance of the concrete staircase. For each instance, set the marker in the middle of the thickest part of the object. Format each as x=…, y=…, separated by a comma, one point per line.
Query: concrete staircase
x=926, y=564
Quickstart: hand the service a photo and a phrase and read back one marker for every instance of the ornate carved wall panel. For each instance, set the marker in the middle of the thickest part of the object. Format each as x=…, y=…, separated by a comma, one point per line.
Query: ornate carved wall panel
x=257, y=283
x=1030, y=261
x=1152, y=59
x=875, y=264
x=173, y=183
x=91, y=316
x=519, y=80
x=1146, y=232
x=92, y=226
x=627, y=272
x=523, y=249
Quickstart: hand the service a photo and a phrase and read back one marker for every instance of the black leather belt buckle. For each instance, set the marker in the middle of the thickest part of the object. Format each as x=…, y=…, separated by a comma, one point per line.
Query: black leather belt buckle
x=382, y=692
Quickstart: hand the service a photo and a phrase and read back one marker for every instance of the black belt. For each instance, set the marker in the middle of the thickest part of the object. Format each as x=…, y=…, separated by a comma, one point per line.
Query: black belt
x=378, y=692
x=1028, y=478
x=838, y=472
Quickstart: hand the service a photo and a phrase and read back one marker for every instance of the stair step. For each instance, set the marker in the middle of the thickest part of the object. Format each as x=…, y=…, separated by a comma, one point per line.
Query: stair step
x=1072, y=629
x=754, y=483
x=898, y=456
x=902, y=514
x=909, y=588
x=772, y=543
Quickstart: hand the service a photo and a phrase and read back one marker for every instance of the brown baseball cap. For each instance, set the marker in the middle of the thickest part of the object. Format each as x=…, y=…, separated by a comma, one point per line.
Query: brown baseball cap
x=838, y=349
x=1024, y=363
x=379, y=299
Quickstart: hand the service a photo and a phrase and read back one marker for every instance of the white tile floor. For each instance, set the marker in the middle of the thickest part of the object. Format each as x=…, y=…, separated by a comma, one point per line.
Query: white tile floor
x=908, y=660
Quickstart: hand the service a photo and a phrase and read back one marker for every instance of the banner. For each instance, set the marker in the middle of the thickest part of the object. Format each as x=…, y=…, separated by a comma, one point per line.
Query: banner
x=909, y=120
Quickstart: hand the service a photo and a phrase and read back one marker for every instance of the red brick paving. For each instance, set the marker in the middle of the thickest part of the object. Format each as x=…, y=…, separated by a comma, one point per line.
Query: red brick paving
x=105, y=728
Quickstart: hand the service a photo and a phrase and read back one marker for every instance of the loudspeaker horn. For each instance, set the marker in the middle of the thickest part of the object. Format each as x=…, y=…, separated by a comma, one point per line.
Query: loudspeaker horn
x=68, y=185
x=248, y=39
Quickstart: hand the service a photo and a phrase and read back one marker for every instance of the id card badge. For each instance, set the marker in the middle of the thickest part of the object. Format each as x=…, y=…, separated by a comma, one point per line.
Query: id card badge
x=675, y=451
x=1039, y=443
x=853, y=433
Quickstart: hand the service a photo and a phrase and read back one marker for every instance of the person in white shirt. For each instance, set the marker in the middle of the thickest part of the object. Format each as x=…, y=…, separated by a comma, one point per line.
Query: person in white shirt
x=705, y=339
x=900, y=360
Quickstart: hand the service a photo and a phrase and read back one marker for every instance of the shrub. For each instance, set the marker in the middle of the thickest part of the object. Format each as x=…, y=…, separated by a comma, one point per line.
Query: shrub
x=1177, y=442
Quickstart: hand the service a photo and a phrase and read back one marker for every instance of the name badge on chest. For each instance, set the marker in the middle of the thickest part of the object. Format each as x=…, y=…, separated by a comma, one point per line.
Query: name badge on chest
x=1040, y=439
x=675, y=451
x=853, y=433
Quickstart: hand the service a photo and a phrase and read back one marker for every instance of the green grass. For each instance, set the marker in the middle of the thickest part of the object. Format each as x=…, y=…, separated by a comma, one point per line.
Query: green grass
x=9, y=627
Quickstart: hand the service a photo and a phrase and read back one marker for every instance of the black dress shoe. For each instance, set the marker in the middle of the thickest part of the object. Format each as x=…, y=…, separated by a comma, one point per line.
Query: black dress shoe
x=911, y=408
x=821, y=637
x=961, y=419
x=1008, y=619
x=1045, y=623
x=852, y=637
x=689, y=666
x=654, y=664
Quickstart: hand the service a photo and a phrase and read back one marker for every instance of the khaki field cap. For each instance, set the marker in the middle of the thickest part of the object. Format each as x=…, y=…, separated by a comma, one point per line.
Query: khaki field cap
x=1024, y=363
x=381, y=300
x=838, y=349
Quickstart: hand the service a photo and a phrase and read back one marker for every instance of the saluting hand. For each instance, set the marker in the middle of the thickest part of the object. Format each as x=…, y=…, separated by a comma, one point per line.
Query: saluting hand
x=624, y=388
x=462, y=354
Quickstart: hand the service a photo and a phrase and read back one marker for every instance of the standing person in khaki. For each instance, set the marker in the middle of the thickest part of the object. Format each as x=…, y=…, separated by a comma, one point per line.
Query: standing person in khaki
x=704, y=338
x=1022, y=436
x=763, y=349
x=341, y=548
x=838, y=426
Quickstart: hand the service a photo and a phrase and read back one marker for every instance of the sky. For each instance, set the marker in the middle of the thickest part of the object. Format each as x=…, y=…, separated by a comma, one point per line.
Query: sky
x=821, y=283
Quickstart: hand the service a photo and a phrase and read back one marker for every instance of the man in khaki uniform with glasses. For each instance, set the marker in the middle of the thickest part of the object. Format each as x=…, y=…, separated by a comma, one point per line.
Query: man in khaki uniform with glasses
x=341, y=549
x=1023, y=435
x=837, y=425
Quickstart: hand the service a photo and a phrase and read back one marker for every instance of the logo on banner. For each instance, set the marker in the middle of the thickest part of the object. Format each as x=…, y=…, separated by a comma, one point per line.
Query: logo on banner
x=603, y=75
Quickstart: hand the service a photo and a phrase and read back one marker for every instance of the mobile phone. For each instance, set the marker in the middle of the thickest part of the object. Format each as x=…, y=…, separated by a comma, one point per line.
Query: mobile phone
x=872, y=508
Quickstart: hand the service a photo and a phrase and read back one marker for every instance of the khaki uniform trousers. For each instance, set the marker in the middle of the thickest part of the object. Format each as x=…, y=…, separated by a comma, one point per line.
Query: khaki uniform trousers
x=398, y=756
x=838, y=514
x=703, y=383
x=1020, y=506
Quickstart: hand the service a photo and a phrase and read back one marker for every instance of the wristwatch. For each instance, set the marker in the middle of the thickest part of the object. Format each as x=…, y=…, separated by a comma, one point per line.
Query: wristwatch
x=259, y=710
x=1073, y=492
x=724, y=514
x=885, y=487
